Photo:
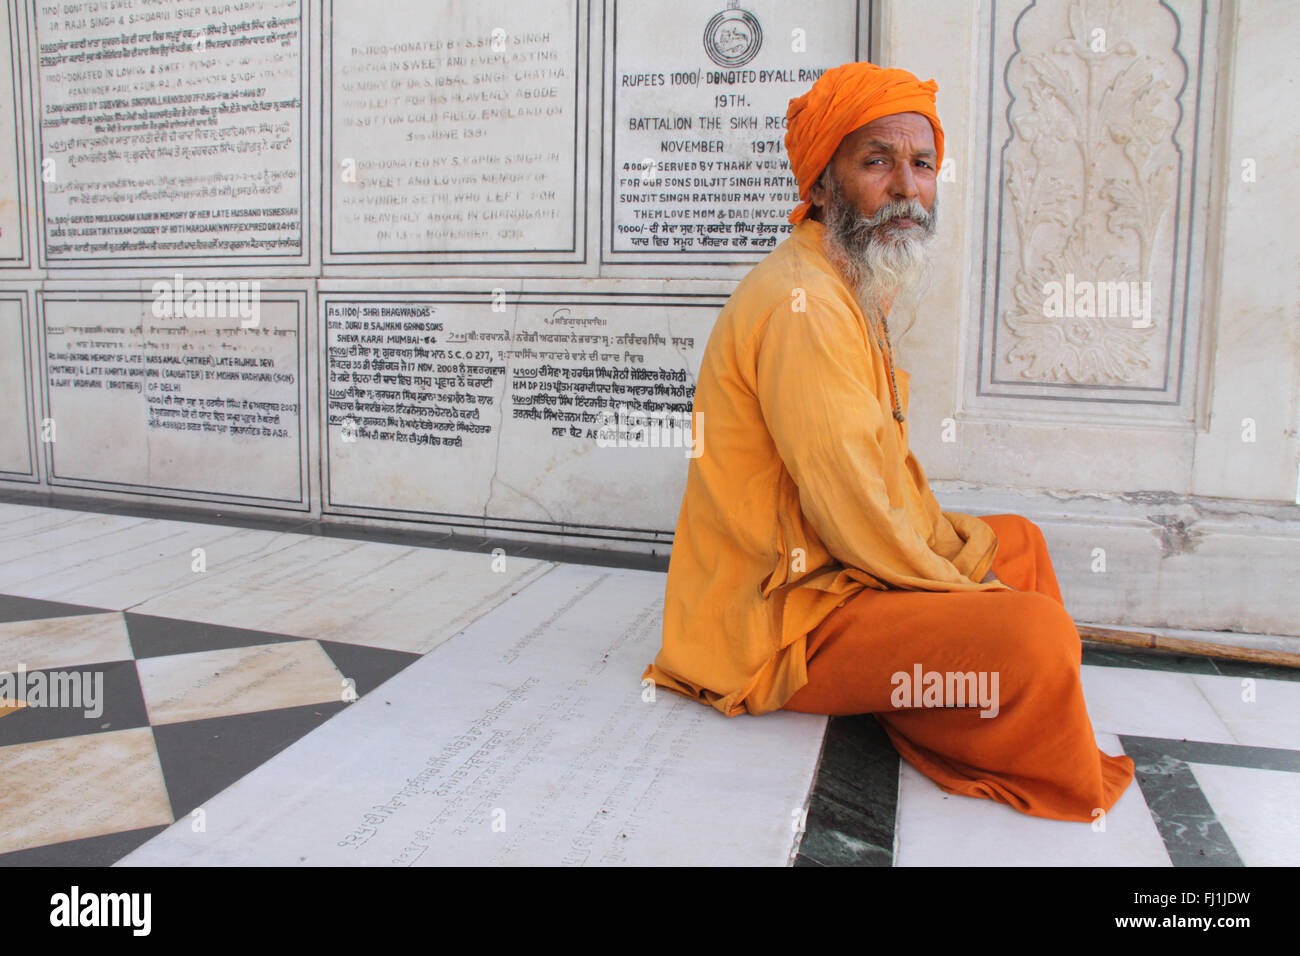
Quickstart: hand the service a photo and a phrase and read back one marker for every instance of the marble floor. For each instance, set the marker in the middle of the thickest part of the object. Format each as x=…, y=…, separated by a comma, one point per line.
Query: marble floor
x=217, y=693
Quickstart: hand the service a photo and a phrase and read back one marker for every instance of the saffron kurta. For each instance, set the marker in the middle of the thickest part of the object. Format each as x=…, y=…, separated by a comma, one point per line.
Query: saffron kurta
x=805, y=491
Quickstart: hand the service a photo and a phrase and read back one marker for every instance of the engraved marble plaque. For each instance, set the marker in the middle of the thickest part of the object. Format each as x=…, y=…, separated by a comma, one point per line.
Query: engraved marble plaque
x=563, y=411
x=698, y=95
x=172, y=131
x=180, y=405
x=455, y=128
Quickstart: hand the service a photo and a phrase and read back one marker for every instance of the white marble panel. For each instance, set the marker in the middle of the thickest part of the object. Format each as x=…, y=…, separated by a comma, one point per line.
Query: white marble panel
x=1159, y=559
x=1098, y=173
x=1258, y=712
x=566, y=410
x=12, y=211
x=202, y=403
x=524, y=741
x=15, y=435
x=697, y=168
x=1255, y=366
x=78, y=787
x=1257, y=809
x=456, y=128
x=191, y=146
x=237, y=680
x=1144, y=703
x=64, y=641
x=941, y=829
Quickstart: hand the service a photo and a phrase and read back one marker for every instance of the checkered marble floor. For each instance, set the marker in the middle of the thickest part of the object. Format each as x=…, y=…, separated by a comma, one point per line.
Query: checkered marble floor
x=252, y=695
x=182, y=710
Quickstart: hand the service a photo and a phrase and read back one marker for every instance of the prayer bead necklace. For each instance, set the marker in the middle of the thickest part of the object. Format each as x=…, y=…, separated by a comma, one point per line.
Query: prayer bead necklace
x=887, y=347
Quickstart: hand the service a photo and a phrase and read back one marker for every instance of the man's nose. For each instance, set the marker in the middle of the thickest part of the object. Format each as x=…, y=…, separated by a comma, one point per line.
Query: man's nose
x=903, y=183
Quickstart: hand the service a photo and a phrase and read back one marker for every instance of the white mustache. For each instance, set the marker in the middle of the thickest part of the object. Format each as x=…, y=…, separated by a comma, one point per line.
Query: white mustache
x=900, y=209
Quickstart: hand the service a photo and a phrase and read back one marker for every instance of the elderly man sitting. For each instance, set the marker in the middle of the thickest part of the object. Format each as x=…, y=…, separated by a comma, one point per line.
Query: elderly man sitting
x=812, y=568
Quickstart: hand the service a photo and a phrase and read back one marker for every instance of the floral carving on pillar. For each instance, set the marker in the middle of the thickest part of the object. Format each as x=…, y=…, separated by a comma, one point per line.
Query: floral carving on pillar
x=1091, y=171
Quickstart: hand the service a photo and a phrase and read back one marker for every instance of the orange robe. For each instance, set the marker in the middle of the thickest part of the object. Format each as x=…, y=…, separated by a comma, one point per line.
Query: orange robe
x=804, y=492
x=1035, y=750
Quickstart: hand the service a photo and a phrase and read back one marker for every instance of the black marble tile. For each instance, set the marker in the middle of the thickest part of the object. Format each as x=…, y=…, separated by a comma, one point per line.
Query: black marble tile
x=15, y=608
x=1223, y=755
x=854, y=803
x=158, y=636
x=1107, y=655
x=1110, y=655
x=368, y=667
x=118, y=696
x=102, y=850
x=801, y=860
x=1187, y=824
x=200, y=758
x=1259, y=671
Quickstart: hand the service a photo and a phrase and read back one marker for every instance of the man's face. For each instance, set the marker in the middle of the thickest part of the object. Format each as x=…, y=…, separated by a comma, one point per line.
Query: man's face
x=877, y=202
x=891, y=159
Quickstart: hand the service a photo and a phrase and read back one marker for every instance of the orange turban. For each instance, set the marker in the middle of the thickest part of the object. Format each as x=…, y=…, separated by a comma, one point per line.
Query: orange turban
x=839, y=102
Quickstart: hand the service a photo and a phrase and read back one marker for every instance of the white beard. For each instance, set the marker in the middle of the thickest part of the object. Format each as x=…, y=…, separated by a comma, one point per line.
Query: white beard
x=877, y=260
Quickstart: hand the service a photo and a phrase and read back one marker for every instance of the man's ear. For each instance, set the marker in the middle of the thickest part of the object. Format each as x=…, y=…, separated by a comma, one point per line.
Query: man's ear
x=820, y=193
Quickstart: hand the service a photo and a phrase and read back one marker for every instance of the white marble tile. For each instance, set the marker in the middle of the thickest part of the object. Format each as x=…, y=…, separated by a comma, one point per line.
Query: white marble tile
x=119, y=562
x=372, y=594
x=377, y=595
x=237, y=680
x=19, y=518
x=526, y=740
x=1144, y=703
x=64, y=641
x=34, y=555
x=75, y=787
x=942, y=829
x=1257, y=809
x=1269, y=717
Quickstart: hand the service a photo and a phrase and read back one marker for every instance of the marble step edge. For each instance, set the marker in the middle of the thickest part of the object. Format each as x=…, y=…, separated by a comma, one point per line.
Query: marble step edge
x=1238, y=514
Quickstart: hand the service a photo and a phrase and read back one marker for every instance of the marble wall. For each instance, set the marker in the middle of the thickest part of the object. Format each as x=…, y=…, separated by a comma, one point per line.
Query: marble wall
x=455, y=264
x=1101, y=146
x=442, y=262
